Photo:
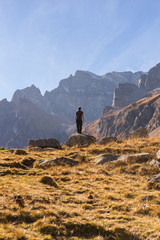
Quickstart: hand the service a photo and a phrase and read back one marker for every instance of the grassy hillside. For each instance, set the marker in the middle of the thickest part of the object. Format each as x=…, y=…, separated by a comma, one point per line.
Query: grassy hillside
x=86, y=201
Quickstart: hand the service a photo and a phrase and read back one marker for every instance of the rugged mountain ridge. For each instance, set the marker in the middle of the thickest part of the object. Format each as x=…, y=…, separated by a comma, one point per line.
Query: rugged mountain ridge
x=31, y=115
x=87, y=89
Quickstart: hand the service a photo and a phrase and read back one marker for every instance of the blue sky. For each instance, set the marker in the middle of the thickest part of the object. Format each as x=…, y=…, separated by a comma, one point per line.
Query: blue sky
x=44, y=41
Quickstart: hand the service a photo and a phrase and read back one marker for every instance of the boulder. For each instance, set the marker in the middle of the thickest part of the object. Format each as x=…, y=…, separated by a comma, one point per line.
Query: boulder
x=139, y=133
x=57, y=161
x=104, y=158
x=137, y=157
x=28, y=162
x=45, y=143
x=107, y=140
x=155, y=163
x=80, y=140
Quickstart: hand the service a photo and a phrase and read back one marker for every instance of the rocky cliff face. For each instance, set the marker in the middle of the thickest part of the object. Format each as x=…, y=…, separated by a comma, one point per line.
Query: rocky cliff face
x=23, y=121
x=118, y=123
x=151, y=80
x=127, y=93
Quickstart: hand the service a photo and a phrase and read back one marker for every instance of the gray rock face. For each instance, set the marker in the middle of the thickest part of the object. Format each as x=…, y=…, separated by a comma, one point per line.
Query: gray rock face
x=80, y=140
x=45, y=143
x=104, y=158
x=126, y=93
x=139, y=133
x=151, y=80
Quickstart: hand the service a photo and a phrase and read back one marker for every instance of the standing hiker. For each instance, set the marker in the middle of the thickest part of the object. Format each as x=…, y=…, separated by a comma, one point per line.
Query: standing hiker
x=79, y=119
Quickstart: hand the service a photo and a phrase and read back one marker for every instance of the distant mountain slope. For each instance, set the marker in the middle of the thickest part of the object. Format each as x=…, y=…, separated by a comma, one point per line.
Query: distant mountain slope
x=88, y=90
x=145, y=112
x=24, y=121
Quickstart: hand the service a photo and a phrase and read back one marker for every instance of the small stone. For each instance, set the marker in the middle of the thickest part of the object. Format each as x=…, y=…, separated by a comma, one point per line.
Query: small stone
x=28, y=162
x=90, y=196
x=106, y=140
x=20, y=152
x=49, y=181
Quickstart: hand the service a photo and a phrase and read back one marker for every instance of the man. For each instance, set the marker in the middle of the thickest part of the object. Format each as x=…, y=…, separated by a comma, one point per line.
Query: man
x=79, y=119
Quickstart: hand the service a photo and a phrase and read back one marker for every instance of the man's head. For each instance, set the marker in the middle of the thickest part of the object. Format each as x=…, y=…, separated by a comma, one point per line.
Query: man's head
x=79, y=108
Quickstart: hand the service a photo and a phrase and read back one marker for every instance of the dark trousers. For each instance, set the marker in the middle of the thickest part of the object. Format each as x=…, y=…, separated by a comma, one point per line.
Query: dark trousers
x=79, y=126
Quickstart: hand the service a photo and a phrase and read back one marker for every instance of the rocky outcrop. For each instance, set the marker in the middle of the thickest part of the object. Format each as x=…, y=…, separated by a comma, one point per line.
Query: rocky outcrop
x=80, y=140
x=139, y=133
x=45, y=143
x=143, y=113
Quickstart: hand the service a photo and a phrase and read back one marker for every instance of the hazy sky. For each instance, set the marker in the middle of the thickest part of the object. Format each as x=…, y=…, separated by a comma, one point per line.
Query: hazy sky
x=44, y=41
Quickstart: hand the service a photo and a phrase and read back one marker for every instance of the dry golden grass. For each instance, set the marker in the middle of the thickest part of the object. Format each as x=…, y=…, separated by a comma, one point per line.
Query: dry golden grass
x=112, y=201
